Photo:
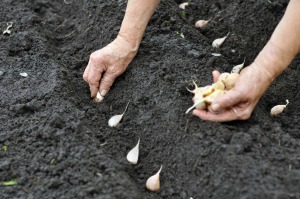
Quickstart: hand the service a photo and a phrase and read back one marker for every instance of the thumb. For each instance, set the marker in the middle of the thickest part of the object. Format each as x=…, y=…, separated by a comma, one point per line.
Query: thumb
x=230, y=99
x=106, y=82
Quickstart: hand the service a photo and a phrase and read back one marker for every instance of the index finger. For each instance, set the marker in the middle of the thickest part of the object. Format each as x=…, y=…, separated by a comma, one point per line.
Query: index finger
x=94, y=77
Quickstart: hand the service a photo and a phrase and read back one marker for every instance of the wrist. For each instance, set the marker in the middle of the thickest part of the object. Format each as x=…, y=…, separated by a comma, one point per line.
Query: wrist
x=273, y=60
x=132, y=41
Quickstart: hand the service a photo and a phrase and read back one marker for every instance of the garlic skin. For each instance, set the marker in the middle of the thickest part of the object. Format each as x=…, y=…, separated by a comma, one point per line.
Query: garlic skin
x=133, y=154
x=276, y=110
x=99, y=98
x=183, y=5
x=201, y=23
x=238, y=68
x=218, y=42
x=153, y=183
x=24, y=74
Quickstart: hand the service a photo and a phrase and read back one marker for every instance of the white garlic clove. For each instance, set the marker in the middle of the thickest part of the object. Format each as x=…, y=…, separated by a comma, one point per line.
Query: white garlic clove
x=183, y=5
x=133, y=154
x=218, y=42
x=24, y=74
x=115, y=120
x=238, y=68
x=198, y=103
x=153, y=183
x=201, y=23
x=99, y=98
x=276, y=110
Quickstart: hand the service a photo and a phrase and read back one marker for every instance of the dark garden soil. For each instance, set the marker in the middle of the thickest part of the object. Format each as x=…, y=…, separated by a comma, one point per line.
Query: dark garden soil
x=55, y=141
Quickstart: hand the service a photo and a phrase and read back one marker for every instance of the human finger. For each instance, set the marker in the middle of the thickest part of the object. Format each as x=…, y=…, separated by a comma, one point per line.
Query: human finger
x=86, y=73
x=216, y=75
x=225, y=116
x=230, y=99
x=94, y=77
x=106, y=82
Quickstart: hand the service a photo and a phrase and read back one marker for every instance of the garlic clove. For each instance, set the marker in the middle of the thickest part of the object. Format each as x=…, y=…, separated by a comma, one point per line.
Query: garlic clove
x=218, y=42
x=276, y=110
x=201, y=23
x=223, y=76
x=133, y=154
x=153, y=183
x=99, y=98
x=115, y=120
x=238, y=68
x=217, y=93
x=183, y=5
x=218, y=85
x=198, y=103
x=230, y=80
x=198, y=99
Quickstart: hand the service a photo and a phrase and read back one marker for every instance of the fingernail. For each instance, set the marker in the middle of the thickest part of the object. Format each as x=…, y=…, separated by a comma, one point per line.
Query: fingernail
x=103, y=92
x=215, y=107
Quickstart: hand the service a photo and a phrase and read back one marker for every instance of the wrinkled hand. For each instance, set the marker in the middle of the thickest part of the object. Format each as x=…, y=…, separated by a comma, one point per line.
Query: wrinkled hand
x=106, y=64
x=239, y=102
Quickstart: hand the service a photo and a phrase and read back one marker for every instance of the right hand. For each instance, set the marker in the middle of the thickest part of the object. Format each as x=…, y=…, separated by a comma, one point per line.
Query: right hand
x=106, y=64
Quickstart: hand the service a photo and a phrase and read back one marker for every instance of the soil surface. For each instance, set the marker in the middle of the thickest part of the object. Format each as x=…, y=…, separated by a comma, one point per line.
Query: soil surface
x=56, y=143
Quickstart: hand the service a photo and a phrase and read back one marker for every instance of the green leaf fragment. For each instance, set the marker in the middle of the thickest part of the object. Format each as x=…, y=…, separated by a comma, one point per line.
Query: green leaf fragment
x=4, y=148
x=9, y=183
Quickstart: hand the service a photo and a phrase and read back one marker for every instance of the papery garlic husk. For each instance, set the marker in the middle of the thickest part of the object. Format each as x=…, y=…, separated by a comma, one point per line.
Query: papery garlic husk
x=218, y=42
x=238, y=68
x=201, y=23
x=183, y=5
x=24, y=74
x=133, y=154
x=153, y=183
x=99, y=98
x=230, y=80
x=276, y=110
x=217, y=93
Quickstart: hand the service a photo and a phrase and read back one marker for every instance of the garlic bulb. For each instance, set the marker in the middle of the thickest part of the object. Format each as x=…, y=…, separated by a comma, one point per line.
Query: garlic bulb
x=115, y=120
x=276, y=110
x=133, y=154
x=99, y=98
x=153, y=183
x=201, y=23
x=218, y=42
x=183, y=5
x=238, y=68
